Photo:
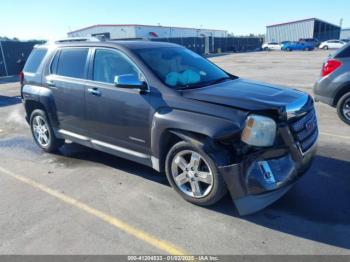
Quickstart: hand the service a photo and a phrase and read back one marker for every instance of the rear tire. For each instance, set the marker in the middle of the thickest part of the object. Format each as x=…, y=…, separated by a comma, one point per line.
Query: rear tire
x=192, y=166
x=343, y=108
x=325, y=47
x=43, y=133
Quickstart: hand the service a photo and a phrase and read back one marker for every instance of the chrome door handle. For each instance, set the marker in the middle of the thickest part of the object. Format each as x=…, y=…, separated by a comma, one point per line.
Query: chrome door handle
x=94, y=91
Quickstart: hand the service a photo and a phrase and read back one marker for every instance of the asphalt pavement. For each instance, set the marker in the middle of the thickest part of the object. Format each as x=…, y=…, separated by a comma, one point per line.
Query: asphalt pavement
x=81, y=201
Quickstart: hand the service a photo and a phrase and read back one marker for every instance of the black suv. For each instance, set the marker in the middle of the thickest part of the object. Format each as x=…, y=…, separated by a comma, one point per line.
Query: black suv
x=163, y=106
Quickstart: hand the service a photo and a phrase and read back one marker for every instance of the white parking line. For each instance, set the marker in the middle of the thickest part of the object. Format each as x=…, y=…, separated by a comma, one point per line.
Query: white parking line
x=112, y=220
x=334, y=135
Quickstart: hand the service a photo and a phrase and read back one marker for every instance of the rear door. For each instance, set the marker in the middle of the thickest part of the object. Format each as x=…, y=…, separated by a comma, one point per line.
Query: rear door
x=66, y=80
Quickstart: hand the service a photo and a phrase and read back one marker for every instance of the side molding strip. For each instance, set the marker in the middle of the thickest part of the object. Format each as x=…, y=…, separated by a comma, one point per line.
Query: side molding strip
x=120, y=149
x=71, y=134
x=155, y=161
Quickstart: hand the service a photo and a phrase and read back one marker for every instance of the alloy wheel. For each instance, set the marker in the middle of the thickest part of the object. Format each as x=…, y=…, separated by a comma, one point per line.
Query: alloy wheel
x=346, y=109
x=41, y=131
x=192, y=174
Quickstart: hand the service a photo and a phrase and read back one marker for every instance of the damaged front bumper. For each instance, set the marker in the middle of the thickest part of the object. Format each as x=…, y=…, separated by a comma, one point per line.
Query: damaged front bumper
x=263, y=177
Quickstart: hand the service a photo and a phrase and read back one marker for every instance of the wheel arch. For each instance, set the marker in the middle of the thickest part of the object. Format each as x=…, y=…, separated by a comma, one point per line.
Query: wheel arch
x=36, y=97
x=201, y=130
x=31, y=105
x=169, y=138
x=342, y=91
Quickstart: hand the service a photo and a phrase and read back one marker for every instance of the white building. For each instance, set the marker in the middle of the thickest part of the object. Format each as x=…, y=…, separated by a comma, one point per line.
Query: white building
x=128, y=31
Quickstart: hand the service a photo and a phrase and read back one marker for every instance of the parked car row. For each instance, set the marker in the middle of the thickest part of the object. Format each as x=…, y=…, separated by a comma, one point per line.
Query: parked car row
x=307, y=44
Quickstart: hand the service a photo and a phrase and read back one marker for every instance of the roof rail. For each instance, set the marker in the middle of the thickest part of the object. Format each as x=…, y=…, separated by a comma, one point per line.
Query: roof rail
x=77, y=39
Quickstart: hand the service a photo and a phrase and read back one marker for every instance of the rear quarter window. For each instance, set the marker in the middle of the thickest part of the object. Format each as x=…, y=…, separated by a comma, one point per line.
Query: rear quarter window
x=345, y=53
x=34, y=60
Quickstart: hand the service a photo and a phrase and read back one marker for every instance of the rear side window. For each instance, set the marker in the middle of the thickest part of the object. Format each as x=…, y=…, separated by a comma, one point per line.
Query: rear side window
x=34, y=60
x=345, y=53
x=71, y=62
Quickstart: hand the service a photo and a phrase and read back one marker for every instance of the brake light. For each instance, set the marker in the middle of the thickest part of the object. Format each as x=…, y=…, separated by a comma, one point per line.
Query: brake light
x=21, y=77
x=330, y=66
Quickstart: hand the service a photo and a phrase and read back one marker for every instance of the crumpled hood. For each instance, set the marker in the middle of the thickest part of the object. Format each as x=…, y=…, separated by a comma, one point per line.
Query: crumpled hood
x=248, y=95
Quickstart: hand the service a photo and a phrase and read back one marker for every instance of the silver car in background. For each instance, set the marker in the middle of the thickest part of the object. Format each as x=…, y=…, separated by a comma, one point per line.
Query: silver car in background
x=334, y=86
x=332, y=44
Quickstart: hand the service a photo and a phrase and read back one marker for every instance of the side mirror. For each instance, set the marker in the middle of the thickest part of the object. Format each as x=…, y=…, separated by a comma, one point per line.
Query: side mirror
x=129, y=81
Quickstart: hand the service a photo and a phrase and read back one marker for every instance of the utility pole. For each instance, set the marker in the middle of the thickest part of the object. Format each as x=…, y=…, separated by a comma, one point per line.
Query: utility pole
x=341, y=22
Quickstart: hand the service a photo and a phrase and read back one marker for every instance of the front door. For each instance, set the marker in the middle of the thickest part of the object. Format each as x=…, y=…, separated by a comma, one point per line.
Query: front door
x=118, y=118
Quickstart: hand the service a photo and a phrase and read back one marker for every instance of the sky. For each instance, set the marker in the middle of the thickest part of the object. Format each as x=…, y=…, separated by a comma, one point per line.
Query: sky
x=39, y=19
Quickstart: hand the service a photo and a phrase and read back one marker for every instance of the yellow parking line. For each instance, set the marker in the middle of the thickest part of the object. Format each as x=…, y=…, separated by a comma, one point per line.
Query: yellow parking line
x=117, y=223
x=338, y=136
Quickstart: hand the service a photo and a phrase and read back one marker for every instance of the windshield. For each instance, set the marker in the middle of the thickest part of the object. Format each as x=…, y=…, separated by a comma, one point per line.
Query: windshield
x=181, y=68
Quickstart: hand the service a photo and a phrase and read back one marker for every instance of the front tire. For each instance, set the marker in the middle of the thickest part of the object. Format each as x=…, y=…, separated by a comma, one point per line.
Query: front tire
x=193, y=174
x=325, y=47
x=42, y=132
x=343, y=108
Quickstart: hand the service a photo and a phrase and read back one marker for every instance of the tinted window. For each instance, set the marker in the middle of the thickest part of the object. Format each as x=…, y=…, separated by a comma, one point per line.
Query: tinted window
x=108, y=64
x=72, y=62
x=345, y=53
x=180, y=67
x=53, y=67
x=34, y=60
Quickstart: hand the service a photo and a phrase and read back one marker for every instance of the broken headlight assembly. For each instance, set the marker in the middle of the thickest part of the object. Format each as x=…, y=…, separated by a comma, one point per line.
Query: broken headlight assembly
x=259, y=131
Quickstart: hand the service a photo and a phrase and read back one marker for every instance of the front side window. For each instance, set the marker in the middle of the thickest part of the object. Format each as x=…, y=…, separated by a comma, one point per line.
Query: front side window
x=34, y=60
x=181, y=68
x=72, y=62
x=110, y=63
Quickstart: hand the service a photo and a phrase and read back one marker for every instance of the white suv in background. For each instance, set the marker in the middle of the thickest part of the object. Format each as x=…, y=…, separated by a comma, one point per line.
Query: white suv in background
x=271, y=46
x=332, y=44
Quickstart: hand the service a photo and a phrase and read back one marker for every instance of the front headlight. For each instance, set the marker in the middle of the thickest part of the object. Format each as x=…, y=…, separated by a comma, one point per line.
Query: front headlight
x=259, y=131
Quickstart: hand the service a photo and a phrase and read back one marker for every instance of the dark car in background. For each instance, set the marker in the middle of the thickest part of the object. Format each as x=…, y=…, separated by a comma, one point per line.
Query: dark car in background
x=333, y=88
x=311, y=41
x=297, y=46
x=166, y=107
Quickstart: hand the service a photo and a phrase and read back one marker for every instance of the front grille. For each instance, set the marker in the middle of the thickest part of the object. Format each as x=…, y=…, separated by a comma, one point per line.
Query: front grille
x=305, y=130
